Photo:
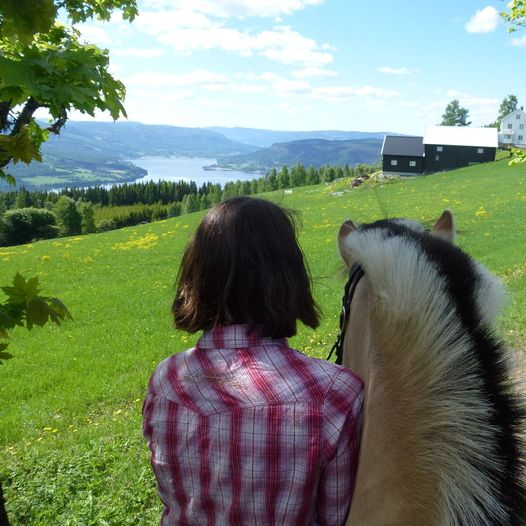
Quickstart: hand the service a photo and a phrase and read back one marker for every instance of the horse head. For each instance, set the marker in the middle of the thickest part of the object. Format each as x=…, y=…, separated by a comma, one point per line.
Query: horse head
x=442, y=429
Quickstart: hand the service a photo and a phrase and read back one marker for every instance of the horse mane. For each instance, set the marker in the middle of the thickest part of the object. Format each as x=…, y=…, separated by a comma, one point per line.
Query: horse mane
x=433, y=311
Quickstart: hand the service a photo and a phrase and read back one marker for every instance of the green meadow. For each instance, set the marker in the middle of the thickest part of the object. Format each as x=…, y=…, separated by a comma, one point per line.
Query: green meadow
x=71, y=451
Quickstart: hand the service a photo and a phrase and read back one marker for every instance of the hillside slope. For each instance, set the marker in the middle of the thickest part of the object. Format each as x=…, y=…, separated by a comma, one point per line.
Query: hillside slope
x=309, y=152
x=70, y=429
x=94, y=152
x=265, y=138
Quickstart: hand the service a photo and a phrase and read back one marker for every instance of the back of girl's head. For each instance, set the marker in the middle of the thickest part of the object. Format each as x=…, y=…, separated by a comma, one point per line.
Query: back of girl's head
x=244, y=265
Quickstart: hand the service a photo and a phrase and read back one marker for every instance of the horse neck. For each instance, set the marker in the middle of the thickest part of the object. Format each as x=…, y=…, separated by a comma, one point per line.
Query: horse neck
x=388, y=491
x=358, y=350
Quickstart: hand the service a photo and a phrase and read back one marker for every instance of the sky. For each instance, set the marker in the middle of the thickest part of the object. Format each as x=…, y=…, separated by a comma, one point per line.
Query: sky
x=313, y=64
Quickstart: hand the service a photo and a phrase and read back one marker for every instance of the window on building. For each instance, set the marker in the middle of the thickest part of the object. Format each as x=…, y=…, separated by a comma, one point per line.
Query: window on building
x=440, y=148
x=412, y=163
x=519, y=138
x=480, y=150
x=518, y=116
x=521, y=126
x=437, y=157
x=510, y=126
x=394, y=162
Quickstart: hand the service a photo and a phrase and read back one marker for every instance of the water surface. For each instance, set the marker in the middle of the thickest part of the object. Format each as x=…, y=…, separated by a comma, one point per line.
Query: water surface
x=188, y=169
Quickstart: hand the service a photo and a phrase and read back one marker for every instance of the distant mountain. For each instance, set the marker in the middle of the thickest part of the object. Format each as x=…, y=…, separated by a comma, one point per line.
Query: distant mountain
x=309, y=152
x=91, y=152
x=266, y=138
x=128, y=140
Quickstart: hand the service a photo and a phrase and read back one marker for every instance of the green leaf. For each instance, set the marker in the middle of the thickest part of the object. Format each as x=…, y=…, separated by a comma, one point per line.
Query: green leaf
x=37, y=313
x=22, y=19
x=4, y=355
x=58, y=311
x=8, y=178
x=22, y=291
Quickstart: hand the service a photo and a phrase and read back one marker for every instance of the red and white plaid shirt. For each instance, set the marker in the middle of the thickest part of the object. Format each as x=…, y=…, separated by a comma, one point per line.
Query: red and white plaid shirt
x=244, y=430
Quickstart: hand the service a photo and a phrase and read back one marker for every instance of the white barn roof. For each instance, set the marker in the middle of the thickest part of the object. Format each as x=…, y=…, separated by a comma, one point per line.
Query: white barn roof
x=461, y=136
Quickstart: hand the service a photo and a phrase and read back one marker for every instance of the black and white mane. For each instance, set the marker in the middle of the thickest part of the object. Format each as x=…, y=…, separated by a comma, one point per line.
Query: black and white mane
x=441, y=376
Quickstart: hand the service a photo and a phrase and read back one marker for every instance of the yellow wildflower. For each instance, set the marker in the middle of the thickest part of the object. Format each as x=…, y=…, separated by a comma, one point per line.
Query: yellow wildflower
x=481, y=212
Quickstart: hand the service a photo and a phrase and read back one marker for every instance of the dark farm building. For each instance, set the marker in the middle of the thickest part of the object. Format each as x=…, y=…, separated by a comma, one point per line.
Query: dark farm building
x=441, y=148
x=450, y=147
x=403, y=154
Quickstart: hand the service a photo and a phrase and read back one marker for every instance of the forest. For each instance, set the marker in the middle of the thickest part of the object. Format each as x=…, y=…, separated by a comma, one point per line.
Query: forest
x=27, y=216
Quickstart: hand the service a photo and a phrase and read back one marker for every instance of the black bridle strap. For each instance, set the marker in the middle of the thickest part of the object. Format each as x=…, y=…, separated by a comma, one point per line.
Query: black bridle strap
x=355, y=274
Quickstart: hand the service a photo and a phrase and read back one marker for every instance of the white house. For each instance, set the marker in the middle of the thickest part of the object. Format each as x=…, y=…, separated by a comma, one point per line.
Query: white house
x=513, y=128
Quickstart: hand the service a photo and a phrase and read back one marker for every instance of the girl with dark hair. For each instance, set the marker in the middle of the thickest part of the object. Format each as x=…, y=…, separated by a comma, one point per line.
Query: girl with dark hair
x=244, y=430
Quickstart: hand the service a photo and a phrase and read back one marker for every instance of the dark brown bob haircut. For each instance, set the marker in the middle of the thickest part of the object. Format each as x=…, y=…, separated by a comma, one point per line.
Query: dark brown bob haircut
x=244, y=265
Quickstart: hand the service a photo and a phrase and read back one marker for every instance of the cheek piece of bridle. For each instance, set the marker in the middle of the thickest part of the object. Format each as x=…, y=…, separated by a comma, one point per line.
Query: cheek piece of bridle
x=355, y=274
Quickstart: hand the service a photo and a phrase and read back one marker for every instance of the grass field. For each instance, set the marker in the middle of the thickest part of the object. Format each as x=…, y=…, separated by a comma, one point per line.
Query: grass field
x=71, y=451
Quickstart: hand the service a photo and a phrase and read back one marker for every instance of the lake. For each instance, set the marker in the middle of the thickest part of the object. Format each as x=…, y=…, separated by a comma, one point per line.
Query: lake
x=188, y=169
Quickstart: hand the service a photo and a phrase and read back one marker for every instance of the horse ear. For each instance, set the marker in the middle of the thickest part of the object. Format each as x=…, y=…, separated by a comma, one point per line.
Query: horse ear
x=445, y=227
x=347, y=228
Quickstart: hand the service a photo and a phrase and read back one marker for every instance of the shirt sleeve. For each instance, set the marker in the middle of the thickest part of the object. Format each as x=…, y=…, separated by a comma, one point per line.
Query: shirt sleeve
x=343, y=423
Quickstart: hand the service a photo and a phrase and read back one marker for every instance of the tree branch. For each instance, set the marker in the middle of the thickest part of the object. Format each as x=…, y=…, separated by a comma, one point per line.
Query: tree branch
x=24, y=117
x=5, y=106
x=57, y=125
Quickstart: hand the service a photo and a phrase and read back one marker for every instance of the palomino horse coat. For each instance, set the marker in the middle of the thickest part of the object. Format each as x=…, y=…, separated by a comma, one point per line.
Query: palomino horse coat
x=441, y=440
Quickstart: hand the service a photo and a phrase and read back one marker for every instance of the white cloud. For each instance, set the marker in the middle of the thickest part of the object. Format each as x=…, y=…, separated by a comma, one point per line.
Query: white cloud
x=94, y=35
x=186, y=32
x=170, y=20
x=162, y=79
x=313, y=72
x=138, y=52
x=214, y=103
x=348, y=93
x=483, y=21
x=482, y=110
x=519, y=42
x=235, y=8
x=396, y=71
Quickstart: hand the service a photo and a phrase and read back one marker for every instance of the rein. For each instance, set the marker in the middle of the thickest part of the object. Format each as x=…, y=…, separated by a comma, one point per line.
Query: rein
x=355, y=274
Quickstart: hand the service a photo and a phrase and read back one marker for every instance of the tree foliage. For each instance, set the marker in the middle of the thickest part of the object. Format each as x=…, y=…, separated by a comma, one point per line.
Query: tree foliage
x=507, y=106
x=44, y=65
x=23, y=225
x=455, y=115
x=25, y=307
x=69, y=218
x=515, y=14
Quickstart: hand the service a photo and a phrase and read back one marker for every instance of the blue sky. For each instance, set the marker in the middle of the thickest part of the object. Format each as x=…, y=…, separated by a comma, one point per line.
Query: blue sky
x=313, y=64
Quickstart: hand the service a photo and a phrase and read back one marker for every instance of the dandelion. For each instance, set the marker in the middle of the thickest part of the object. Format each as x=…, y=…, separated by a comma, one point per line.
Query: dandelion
x=45, y=257
x=145, y=242
x=481, y=212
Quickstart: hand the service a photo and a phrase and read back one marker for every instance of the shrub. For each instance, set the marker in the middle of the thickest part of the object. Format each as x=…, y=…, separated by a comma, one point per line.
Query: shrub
x=104, y=225
x=23, y=225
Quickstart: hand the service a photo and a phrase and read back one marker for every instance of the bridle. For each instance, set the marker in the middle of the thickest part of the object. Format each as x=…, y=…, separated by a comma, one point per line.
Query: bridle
x=355, y=274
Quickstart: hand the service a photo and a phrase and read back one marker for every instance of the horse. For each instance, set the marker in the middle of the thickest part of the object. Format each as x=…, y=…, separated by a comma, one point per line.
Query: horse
x=442, y=431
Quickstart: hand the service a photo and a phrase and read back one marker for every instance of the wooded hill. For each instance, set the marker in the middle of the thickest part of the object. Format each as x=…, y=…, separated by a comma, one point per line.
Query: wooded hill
x=309, y=152
x=91, y=153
